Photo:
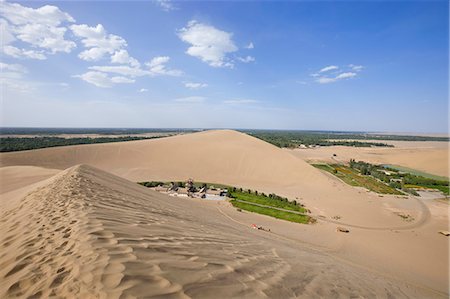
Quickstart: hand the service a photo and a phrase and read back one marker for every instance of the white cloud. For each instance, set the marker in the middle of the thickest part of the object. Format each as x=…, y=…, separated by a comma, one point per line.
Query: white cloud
x=347, y=72
x=194, y=85
x=98, y=41
x=11, y=78
x=124, y=70
x=157, y=66
x=100, y=79
x=143, y=90
x=122, y=57
x=12, y=71
x=38, y=27
x=246, y=59
x=356, y=68
x=120, y=79
x=193, y=99
x=325, y=80
x=22, y=53
x=165, y=5
x=208, y=43
x=347, y=75
x=328, y=68
x=240, y=101
x=45, y=15
x=98, y=74
x=7, y=36
x=43, y=36
x=250, y=46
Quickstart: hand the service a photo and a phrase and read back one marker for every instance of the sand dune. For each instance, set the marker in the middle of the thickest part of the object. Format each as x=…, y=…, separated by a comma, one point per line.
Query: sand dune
x=85, y=233
x=379, y=240
x=226, y=157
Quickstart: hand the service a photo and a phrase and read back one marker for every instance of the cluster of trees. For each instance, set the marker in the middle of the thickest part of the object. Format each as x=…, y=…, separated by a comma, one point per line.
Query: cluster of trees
x=233, y=192
x=11, y=144
x=101, y=131
x=151, y=184
x=293, y=139
x=310, y=137
x=396, y=179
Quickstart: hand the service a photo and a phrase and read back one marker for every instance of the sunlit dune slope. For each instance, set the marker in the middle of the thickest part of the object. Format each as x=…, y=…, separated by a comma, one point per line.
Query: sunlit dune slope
x=212, y=155
x=85, y=233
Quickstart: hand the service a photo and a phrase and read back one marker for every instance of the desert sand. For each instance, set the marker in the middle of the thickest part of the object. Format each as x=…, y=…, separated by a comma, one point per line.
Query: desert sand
x=128, y=239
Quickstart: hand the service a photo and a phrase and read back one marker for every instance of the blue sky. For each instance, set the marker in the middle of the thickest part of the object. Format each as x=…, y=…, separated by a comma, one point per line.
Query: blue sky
x=361, y=66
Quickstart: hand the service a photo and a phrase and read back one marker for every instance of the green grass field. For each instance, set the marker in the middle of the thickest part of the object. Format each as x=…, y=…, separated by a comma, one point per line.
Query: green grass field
x=267, y=201
x=272, y=212
x=354, y=178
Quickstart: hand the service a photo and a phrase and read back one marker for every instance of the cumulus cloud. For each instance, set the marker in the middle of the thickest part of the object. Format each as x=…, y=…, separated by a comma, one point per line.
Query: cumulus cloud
x=122, y=57
x=208, y=43
x=143, y=90
x=193, y=99
x=240, y=101
x=98, y=41
x=328, y=68
x=250, y=46
x=23, y=53
x=246, y=59
x=195, y=85
x=157, y=66
x=100, y=79
x=45, y=15
x=166, y=5
x=40, y=28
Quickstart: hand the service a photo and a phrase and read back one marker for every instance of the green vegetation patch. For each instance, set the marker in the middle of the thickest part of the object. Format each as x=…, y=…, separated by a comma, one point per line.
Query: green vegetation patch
x=272, y=212
x=12, y=144
x=354, y=178
x=401, y=179
x=271, y=200
x=293, y=139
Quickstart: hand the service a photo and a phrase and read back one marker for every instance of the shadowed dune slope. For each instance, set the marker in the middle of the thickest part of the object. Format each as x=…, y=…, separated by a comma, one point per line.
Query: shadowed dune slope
x=85, y=233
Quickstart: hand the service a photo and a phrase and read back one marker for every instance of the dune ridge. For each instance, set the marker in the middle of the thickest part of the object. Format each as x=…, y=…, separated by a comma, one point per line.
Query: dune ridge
x=89, y=234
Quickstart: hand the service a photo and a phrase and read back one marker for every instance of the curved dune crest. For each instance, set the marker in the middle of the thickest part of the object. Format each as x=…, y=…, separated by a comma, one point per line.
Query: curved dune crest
x=87, y=233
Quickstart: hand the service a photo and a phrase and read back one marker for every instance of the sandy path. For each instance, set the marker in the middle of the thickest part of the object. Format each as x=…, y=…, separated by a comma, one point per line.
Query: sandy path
x=86, y=233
